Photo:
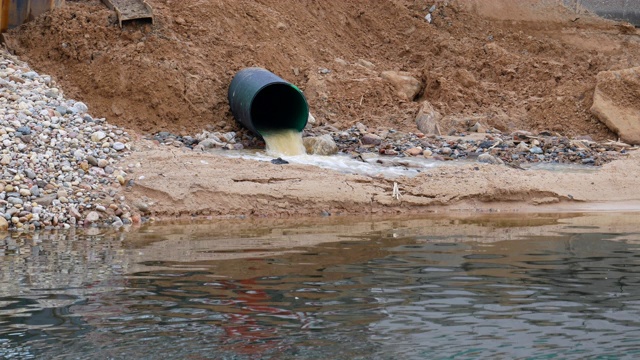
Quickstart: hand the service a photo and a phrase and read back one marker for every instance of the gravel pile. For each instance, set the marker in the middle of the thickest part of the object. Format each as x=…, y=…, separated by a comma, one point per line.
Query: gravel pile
x=57, y=162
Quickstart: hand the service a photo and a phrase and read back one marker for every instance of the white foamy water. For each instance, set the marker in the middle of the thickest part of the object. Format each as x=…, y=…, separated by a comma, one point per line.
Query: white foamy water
x=379, y=166
x=287, y=144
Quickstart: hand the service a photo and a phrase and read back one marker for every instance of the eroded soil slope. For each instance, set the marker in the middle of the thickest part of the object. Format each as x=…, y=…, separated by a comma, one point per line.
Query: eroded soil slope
x=530, y=66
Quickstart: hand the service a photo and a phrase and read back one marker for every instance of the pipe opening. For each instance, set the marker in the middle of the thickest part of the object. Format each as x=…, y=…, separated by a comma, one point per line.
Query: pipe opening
x=277, y=107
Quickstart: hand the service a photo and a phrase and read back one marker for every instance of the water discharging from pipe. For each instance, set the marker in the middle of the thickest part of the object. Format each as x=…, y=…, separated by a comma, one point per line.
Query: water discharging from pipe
x=284, y=142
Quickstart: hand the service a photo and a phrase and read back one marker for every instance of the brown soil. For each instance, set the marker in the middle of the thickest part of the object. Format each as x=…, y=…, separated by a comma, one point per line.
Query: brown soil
x=527, y=65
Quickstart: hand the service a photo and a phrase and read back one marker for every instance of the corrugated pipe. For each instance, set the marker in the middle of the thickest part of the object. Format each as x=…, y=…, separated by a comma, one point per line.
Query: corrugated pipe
x=264, y=102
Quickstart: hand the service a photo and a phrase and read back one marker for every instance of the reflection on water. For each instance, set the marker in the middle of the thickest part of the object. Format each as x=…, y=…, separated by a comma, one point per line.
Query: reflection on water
x=548, y=286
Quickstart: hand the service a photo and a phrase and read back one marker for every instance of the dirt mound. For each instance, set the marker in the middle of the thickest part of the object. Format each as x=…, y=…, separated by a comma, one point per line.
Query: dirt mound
x=477, y=61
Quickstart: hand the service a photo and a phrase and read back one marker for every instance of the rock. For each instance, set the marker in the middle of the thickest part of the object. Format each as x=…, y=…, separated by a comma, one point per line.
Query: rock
x=320, y=145
x=92, y=217
x=279, y=161
x=6, y=159
x=118, y=146
x=92, y=160
x=143, y=207
x=117, y=110
x=311, y=119
x=428, y=119
x=371, y=139
x=427, y=153
x=478, y=127
x=428, y=17
x=46, y=200
x=415, y=151
x=341, y=61
x=136, y=219
x=616, y=104
x=80, y=107
x=465, y=77
x=489, y=159
x=15, y=201
x=522, y=147
x=24, y=130
x=98, y=136
x=536, y=150
x=4, y=224
x=74, y=212
x=30, y=75
x=407, y=86
x=102, y=163
x=365, y=63
x=210, y=143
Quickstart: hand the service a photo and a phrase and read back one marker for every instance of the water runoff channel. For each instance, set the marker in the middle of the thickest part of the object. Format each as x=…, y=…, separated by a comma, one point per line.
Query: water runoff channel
x=278, y=111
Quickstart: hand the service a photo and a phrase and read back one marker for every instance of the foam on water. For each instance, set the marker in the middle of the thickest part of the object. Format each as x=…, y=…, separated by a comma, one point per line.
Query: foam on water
x=378, y=166
x=287, y=144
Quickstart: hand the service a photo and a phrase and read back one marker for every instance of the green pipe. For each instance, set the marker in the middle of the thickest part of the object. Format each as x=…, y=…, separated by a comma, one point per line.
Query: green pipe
x=264, y=102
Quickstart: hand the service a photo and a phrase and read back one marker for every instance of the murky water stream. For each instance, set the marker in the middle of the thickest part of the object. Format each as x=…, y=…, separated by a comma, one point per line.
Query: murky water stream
x=536, y=286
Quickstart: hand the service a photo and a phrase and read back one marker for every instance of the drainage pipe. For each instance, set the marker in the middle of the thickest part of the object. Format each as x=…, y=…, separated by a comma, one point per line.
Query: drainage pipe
x=264, y=102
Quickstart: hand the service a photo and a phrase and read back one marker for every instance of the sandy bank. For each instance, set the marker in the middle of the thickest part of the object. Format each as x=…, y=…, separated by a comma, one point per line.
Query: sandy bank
x=171, y=183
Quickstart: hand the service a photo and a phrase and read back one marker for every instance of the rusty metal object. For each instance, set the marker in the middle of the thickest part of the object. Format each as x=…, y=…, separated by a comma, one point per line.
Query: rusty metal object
x=129, y=10
x=16, y=12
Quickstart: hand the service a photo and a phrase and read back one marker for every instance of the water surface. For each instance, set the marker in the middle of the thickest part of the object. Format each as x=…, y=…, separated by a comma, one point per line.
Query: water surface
x=528, y=287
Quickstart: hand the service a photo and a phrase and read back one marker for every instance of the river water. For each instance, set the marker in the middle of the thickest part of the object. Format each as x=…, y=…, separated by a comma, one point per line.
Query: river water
x=526, y=286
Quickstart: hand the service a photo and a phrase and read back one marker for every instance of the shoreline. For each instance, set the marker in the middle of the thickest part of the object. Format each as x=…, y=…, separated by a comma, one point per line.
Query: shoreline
x=108, y=182
x=202, y=185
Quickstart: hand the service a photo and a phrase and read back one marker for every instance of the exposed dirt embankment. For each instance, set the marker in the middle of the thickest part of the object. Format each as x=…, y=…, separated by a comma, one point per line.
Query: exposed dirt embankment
x=528, y=65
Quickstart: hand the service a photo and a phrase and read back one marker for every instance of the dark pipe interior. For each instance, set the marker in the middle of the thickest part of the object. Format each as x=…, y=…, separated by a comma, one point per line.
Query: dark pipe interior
x=278, y=107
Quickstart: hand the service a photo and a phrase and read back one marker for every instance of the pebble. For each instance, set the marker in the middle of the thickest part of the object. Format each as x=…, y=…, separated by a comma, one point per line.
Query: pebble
x=536, y=150
x=92, y=217
x=48, y=147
